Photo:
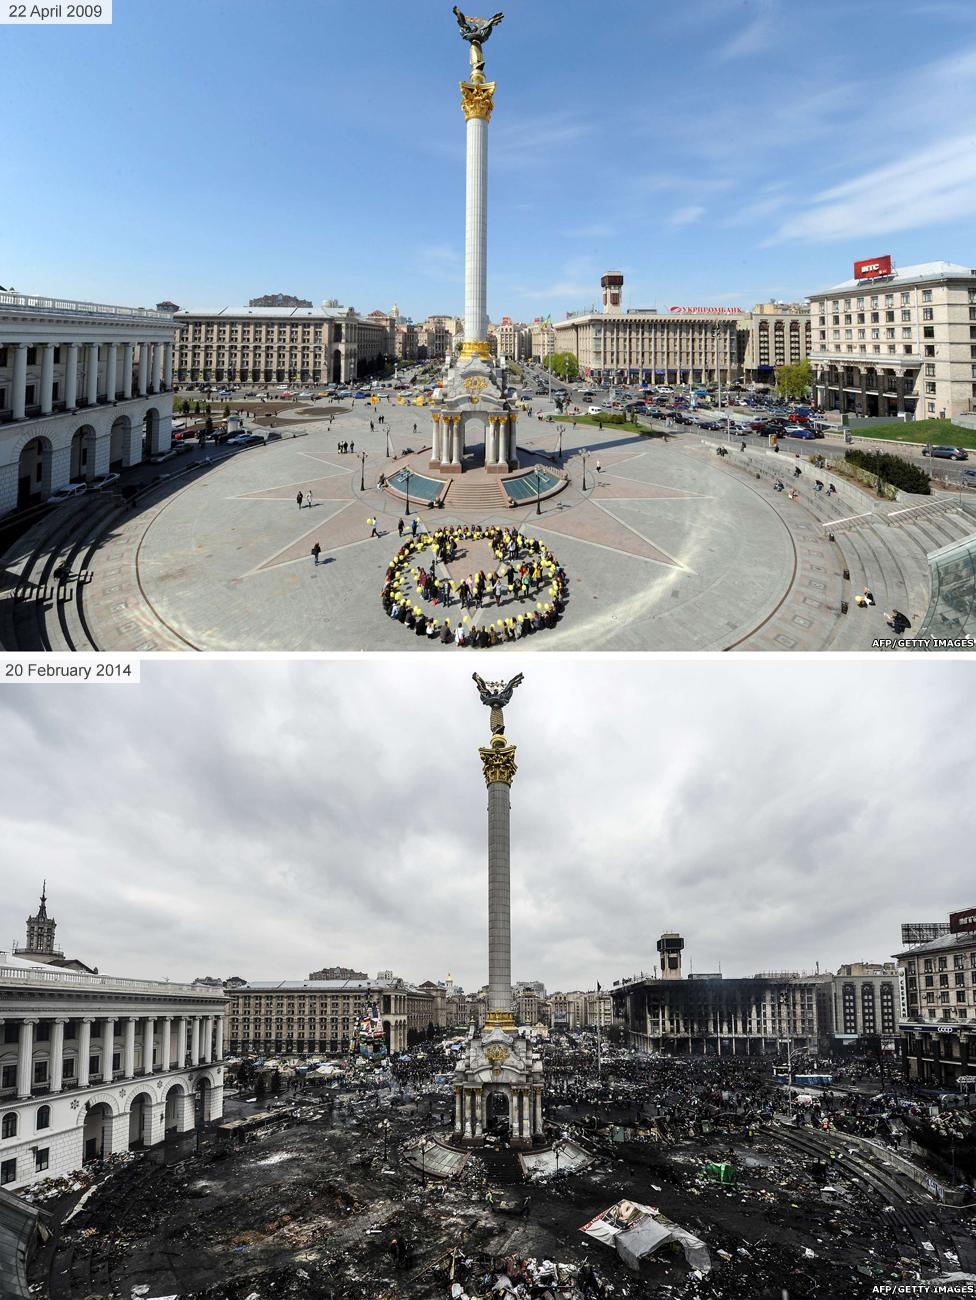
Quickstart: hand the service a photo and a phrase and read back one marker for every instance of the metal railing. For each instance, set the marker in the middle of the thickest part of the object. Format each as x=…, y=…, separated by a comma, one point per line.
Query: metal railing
x=79, y=979
x=35, y=303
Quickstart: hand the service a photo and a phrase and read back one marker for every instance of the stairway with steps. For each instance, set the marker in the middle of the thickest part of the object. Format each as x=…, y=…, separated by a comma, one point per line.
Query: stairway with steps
x=483, y=495
x=501, y=1165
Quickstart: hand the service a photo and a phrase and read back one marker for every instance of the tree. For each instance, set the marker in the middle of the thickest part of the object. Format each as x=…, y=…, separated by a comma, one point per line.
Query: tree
x=563, y=364
x=226, y=412
x=795, y=380
x=261, y=1087
x=185, y=407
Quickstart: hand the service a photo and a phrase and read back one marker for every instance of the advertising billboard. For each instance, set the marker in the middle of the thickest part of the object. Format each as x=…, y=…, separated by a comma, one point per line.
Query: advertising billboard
x=873, y=267
x=961, y=922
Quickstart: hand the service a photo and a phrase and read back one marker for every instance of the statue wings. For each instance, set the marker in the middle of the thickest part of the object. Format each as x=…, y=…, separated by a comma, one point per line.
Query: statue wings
x=496, y=694
x=470, y=29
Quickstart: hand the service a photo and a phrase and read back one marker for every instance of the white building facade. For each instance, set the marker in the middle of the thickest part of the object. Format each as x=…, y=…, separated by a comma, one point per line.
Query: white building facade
x=897, y=341
x=84, y=388
x=92, y=1065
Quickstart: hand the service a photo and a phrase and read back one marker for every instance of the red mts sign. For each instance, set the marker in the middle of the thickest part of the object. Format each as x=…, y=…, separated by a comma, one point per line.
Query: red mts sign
x=872, y=268
x=960, y=922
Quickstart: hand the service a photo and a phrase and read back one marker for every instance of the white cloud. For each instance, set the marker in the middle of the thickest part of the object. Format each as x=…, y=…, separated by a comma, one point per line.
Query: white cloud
x=934, y=185
x=685, y=216
x=756, y=37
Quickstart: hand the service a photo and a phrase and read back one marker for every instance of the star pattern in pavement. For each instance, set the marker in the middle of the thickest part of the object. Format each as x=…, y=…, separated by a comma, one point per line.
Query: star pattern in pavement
x=340, y=517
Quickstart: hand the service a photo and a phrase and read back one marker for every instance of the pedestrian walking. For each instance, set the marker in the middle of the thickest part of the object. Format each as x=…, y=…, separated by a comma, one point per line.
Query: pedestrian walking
x=316, y=552
x=413, y=527
x=352, y=446
x=299, y=499
x=308, y=498
x=399, y=528
x=372, y=528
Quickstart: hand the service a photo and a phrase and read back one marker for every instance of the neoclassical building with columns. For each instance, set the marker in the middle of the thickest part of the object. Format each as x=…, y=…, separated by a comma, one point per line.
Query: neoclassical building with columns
x=85, y=388
x=93, y=1065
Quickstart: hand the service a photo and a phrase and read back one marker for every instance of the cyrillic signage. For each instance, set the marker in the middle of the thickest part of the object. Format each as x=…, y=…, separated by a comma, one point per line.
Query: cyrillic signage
x=872, y=267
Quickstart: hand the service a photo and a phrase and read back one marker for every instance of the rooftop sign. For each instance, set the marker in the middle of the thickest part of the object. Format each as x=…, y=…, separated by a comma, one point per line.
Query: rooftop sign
x=872, y=268
x=714, y=311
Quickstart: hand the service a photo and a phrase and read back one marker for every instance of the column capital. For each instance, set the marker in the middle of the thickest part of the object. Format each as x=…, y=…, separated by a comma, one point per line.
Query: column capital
x=30, y=1020
x=498, y=761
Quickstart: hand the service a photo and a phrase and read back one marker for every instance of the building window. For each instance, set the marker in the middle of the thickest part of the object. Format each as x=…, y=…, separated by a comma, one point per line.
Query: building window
x=930, y=387
x=40, y=1071
x=928, y=332
x=43, y=1117
x=926, y=295
x=930, y=368
x=930, y=407
x=41, y=1159
x=8, y=1171
x=906, y=315
x=926, y=313
x=8, y=1128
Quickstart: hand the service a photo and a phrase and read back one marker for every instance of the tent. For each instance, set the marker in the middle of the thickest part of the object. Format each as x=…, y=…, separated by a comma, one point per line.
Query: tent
x=636, y=1231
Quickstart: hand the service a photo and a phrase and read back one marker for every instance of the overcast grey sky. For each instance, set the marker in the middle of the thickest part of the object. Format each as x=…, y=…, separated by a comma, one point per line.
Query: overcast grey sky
x=267, y=818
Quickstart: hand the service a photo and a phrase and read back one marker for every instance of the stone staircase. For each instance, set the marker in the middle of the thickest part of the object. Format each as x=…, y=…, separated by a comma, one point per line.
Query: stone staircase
x=482, y=496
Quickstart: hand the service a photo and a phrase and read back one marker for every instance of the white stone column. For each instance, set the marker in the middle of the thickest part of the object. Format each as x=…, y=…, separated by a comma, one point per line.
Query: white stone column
x=108, y=1048
x=129, y=1048
x=55, y=1070
x=19, y=391
x=91, y=374
x=111, y=368
x=458, y=1109
x=218, y=1039
x=457, y=438
x=206, y=1039
x=25, y=1058
x=512, y=436
x=157, y=366
x=195, y=1041
x=479, y=1114
x=84, y=1050
x=165, y=1045
x=127, y=370
x=491, y=441
x=143, y=368
x=538, y=1111
x=71, y=376
x=47, y=378
x=148, y=1034
x=180, y=1043
x=168, y=365
x=435, y=438
x=476, y=232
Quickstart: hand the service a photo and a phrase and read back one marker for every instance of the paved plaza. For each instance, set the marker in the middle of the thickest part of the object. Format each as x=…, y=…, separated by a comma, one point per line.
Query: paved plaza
x=662, y=552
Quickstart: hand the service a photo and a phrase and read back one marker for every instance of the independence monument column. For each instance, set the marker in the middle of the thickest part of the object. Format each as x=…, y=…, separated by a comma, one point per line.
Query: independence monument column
x=476, y=104
x=498, y=761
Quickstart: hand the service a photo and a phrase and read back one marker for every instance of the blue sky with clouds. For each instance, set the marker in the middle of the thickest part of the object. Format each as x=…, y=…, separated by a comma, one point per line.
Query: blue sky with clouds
x=715, y=151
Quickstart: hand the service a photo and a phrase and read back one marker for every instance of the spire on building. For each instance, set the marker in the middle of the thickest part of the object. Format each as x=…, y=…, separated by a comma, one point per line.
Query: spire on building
x=42, y=910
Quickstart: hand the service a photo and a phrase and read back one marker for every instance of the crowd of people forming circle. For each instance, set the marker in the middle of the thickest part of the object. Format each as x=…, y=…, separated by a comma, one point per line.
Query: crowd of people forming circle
x=526, y=569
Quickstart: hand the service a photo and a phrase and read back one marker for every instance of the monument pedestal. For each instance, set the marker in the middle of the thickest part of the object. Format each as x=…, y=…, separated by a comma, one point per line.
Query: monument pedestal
x=498, y=1074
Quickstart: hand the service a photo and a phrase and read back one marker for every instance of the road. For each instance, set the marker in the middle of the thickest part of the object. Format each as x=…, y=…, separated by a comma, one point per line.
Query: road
x=832, y=446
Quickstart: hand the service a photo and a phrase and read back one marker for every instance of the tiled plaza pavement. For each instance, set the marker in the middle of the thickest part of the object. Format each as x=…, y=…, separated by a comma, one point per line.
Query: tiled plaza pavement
x=666, y=551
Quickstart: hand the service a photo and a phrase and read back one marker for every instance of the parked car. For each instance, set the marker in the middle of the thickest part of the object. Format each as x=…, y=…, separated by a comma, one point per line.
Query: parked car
x=68, y=493
x=102, y=481
x=595, y=410
x=946, y=453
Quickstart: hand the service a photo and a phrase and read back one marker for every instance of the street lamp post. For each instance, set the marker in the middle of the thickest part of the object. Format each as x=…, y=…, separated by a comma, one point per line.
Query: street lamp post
x=584, y=453
x=362, y=476
x=538, y=492
x=407, y=476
